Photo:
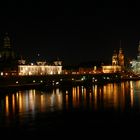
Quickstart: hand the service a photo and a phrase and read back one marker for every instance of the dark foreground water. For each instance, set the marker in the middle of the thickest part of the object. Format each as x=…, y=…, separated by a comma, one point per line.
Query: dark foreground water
x=98, y=110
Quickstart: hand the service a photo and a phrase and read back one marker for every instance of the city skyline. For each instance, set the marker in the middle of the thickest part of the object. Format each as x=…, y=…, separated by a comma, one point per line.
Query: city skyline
x=72, y=34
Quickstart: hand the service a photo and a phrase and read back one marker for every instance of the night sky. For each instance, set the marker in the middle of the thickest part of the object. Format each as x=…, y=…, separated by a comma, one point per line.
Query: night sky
x=72, y=32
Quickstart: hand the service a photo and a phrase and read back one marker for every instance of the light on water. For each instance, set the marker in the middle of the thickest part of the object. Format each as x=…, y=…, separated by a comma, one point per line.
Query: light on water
x=40, y=109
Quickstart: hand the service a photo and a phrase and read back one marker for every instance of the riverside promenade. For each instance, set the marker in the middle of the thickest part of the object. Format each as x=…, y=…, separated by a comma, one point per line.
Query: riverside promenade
x=49, y=81
x=13, y=82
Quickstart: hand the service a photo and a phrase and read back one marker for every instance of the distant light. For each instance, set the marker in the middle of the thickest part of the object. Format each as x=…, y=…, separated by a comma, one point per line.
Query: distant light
x=32, y=64
x=16, y=82
x=1, y=73
x=30, y=73
x=33, y=81
x=57, y=83
x=41, y=81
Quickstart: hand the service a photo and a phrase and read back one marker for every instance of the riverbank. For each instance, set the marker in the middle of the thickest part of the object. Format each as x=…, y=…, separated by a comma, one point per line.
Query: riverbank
x=52, y=81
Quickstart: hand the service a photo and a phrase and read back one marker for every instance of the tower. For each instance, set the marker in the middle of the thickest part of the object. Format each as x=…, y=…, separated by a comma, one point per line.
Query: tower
x=8, y=60
x=121, y=58
x=114, y=59
x=7, y=52
x=138, y=57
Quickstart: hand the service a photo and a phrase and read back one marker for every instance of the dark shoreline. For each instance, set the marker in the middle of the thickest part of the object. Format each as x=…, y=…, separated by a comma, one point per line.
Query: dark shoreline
x=15, y=83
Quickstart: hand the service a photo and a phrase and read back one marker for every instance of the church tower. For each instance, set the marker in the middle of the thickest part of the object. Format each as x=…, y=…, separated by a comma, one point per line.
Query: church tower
x=138, y=57
x=8, y=60
x=121, y=58
x=114, y=59
x=7, y=49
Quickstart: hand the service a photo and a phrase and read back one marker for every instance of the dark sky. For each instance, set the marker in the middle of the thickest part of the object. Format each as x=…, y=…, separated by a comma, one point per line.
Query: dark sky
x=73, y=32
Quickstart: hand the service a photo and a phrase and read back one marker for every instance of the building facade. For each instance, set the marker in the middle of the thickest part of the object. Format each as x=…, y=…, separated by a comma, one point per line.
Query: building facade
x=135, y=64
x=10, y=64
x=40, y=69
x=117, y=63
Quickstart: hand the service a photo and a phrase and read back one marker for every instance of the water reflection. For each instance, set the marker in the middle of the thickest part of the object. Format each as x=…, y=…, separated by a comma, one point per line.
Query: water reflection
x=30, y=102
x=115, y=96
x=23, y=105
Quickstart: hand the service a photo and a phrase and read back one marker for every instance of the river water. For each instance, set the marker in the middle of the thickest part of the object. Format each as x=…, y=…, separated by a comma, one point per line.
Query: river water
x=112, y=107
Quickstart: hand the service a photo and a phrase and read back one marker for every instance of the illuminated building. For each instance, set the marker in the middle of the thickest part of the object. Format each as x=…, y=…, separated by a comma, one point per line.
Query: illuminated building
x=8, y=59
x=135, y=64
x=117, y=63
x=121, y=58
x=111, y=69
x=41, y=68
x=10, y=65
x=114, y=59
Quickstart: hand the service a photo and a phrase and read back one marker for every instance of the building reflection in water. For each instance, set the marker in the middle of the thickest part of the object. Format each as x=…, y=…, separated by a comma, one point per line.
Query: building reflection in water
x=115, y=96
x=7, y=105
x=28, y=103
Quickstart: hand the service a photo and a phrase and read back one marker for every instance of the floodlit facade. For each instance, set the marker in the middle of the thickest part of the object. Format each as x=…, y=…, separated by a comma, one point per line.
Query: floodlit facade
x=111, y=69
x=135, y=64
x=40, y=69
x=117, y=63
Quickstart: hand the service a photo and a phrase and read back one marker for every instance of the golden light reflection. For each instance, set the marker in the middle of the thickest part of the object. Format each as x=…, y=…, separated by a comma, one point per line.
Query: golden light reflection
x=131, y=94
x=90, y=99
x=117, y=96
x=84, y=97
x=7, y=105
x=78, y=95
x=95, y=97
x=42, y=103
x=20, y=102
x=17, y=96
x=123, y=96
x=59, y=98
x=75, y=96
x=67, y=101
x=13, y=103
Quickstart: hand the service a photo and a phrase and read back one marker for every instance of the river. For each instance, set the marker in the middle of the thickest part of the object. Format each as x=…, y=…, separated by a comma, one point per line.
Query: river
x=97, y=108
